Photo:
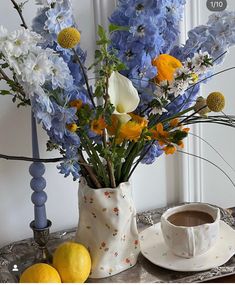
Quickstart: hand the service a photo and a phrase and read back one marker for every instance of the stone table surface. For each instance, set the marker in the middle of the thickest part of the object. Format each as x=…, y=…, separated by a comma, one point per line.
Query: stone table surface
x=22, y=254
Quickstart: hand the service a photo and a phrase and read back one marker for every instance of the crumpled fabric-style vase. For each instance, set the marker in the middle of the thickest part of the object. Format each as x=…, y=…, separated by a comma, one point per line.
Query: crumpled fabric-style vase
x=107, y=227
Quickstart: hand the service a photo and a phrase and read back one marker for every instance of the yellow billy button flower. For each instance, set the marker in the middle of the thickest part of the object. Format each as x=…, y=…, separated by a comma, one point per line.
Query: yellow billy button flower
x=68, y=38
x=216, y=101
x=72, y=127
x=76, y=103
x=98, y=126
x=166, y=66
x=169, y=149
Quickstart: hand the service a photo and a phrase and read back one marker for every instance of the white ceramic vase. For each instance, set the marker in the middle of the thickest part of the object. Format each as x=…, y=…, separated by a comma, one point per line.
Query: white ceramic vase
x=107, y=227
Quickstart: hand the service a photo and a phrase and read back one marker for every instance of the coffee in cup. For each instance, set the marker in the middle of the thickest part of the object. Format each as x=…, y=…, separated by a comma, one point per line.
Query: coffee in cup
x=192, y=229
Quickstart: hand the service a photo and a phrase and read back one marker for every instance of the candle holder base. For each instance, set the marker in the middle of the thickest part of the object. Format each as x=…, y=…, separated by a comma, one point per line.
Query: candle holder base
x=41, y=237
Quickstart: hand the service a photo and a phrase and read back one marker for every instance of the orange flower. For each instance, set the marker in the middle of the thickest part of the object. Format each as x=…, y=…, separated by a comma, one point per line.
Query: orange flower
x=76, y=103
x=72, y=127
x=186, y=130
x=112, y=129
x=130, y=131
x=140, y=120
x=166, y=66
x=169, y=149
x=159, y=134
x=180, y=144
x=174, y=123
x=98, y=126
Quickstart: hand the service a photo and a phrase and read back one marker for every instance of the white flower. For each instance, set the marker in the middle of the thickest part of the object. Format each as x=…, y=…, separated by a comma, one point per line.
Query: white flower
x=13, y=63
x=178, y=87
x=61, y=76
x=36, y=69
x=198, y=62
x=158, y=111
x=3, y=35
x=20, y=42
x=182, y=71
x=123, y=96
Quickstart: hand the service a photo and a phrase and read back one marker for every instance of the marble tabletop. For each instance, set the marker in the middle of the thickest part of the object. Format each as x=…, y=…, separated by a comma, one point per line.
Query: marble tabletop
x=21, y=254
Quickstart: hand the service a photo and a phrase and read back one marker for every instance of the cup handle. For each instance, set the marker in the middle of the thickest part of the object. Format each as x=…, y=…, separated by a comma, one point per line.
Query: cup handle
x=191, y=242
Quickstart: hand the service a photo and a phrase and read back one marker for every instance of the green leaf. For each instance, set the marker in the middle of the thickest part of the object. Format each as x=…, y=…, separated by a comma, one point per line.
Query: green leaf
x=121, y=66
x=4, y=65
x=5, y=92
x=102, y=33
x=114, y=28
x=102, y=42
x=99, y=91
x=98, y=54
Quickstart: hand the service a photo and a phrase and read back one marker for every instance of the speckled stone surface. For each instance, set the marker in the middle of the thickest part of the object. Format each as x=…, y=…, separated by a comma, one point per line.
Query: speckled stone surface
x=22, y=254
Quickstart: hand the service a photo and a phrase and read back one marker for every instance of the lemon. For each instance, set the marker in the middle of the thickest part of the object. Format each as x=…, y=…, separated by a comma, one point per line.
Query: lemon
x=72, y=261
x=40, y=273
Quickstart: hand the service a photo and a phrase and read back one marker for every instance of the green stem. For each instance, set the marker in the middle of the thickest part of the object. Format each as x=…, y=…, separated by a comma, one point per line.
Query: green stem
x=190, y=116
x=17, y=7
x=140, y=159
x=85, y=77
x=95, y=158
x=130, y=159
x=178, y=114
x=90, y=172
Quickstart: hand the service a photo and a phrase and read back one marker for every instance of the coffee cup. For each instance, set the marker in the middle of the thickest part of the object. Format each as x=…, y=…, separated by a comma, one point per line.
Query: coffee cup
x=192, y=229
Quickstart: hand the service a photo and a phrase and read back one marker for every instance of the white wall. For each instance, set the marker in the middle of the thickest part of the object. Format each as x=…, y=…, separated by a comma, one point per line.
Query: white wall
x=170, y=179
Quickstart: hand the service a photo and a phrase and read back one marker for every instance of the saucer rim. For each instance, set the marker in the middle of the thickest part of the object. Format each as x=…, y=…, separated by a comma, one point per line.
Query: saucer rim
x=205, y=268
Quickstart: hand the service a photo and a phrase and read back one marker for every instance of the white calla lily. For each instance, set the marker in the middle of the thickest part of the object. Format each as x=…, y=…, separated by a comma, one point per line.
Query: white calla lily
x=123, y=96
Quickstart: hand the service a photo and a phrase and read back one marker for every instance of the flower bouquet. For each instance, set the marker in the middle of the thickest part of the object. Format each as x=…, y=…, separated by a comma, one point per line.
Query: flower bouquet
x=143, y=102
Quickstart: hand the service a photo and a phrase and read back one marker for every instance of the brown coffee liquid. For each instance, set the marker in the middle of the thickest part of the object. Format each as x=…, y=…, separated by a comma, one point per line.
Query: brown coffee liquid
x=190, y=218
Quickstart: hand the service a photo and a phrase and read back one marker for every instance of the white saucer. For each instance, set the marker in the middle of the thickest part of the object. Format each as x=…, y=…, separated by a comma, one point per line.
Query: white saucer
x=153, y=247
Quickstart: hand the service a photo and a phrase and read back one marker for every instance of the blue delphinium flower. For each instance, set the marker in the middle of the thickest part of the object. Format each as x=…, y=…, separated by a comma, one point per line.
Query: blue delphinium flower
x=62, y=117
x=50, y=20
x=151, y=153
x=153, y=29
x=216, y=38
x=43, y=109
x=70, y=165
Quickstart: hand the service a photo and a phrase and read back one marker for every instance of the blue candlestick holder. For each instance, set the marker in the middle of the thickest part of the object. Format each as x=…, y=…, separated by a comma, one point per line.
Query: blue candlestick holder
x=40, y=225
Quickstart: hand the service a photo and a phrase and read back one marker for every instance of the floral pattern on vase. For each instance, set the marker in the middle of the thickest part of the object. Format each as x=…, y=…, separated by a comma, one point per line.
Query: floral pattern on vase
x=107, y=227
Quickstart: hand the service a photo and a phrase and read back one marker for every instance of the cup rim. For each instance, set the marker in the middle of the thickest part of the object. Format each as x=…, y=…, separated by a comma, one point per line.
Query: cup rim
x=165, y=216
